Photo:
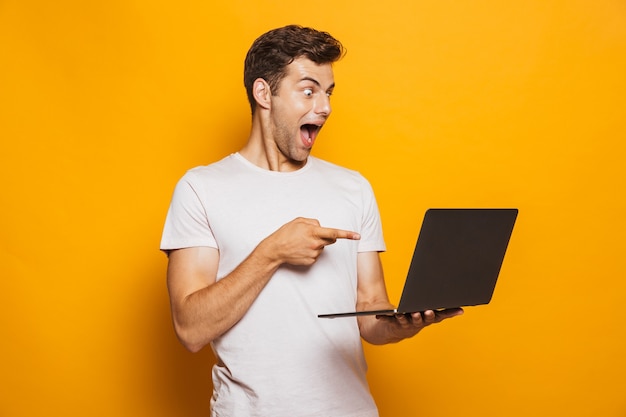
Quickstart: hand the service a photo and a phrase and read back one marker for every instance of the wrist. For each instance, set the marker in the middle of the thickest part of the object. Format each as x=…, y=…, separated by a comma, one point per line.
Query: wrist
x=268, y=254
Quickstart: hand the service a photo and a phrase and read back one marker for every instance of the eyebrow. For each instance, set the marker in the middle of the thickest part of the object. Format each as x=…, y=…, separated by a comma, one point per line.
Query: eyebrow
x=314, y=81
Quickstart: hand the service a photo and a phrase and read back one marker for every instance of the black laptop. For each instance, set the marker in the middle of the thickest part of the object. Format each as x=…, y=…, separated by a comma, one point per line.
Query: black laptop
x=456, y=261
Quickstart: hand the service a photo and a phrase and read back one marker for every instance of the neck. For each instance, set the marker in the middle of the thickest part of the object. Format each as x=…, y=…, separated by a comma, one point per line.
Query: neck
x=262, y=151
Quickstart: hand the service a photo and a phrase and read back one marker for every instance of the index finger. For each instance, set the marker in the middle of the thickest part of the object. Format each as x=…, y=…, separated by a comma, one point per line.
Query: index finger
x=333, y=234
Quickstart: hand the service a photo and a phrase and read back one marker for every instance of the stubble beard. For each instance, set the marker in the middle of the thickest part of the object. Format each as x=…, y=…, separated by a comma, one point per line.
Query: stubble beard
x=288, y=145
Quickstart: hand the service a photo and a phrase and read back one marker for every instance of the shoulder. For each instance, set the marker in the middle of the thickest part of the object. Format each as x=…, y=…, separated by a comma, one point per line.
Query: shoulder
x=346, y=181
x=217, y=172
x=334, y=170
x=224, y=165
x=202, y=179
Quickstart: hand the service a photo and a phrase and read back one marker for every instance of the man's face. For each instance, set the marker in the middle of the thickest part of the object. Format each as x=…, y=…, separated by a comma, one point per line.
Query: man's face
x=300, y=108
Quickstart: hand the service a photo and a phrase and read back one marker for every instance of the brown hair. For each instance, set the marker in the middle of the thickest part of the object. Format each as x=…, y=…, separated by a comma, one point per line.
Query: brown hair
x=270, y=54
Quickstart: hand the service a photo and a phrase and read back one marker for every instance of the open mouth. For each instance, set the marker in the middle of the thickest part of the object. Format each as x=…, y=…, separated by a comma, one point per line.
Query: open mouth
x=309, y=133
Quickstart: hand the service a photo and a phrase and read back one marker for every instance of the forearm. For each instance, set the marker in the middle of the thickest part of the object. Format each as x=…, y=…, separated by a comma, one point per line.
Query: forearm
x=210, y=311
x=371, y=296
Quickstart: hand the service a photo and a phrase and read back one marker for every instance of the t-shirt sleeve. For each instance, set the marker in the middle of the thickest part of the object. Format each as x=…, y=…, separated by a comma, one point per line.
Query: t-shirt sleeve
x=186, y=224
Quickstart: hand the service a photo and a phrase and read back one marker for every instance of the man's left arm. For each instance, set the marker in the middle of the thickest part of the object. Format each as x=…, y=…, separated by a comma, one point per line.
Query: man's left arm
x=372, y=295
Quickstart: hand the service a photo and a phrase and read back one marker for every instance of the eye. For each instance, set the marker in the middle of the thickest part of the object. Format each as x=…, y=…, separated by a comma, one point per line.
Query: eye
x=308, y=92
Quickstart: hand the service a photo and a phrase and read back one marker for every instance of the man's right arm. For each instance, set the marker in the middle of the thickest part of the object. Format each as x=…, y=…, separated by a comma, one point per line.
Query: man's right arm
x=204, y=308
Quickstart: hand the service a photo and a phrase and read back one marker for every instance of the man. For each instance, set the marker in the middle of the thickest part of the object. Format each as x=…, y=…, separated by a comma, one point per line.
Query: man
x=262, y=241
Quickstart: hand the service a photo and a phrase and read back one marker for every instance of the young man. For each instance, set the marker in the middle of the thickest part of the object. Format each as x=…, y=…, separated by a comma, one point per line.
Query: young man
x=269, y=237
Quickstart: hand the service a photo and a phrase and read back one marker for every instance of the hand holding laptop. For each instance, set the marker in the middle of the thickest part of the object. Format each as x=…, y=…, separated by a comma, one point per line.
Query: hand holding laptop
x=391, y=328
x=420, y=320
x=403, y=326
x=428, y=316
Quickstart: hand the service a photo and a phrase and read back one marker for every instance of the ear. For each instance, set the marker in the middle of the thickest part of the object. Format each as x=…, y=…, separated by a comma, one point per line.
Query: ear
x=262, y=93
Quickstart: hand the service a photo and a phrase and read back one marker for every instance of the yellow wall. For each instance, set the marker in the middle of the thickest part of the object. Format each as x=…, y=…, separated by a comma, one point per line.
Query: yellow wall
x=104, y=105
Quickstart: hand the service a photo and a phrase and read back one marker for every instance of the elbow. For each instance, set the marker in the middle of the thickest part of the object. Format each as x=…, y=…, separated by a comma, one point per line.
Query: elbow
x=193, y=348
x=190, y=345
x=190, y=339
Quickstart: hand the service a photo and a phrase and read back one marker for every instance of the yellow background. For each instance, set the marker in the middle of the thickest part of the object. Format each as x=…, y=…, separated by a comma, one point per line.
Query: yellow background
x=104, y=105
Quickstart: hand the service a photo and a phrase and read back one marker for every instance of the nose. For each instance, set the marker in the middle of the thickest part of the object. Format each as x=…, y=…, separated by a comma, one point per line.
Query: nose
x=322, y=105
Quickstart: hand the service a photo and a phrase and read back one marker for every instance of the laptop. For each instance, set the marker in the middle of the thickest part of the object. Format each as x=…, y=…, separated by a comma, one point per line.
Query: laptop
x=456, y=261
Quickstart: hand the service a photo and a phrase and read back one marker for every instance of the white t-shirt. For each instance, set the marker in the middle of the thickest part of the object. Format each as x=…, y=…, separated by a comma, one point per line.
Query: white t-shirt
x=280, y=359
